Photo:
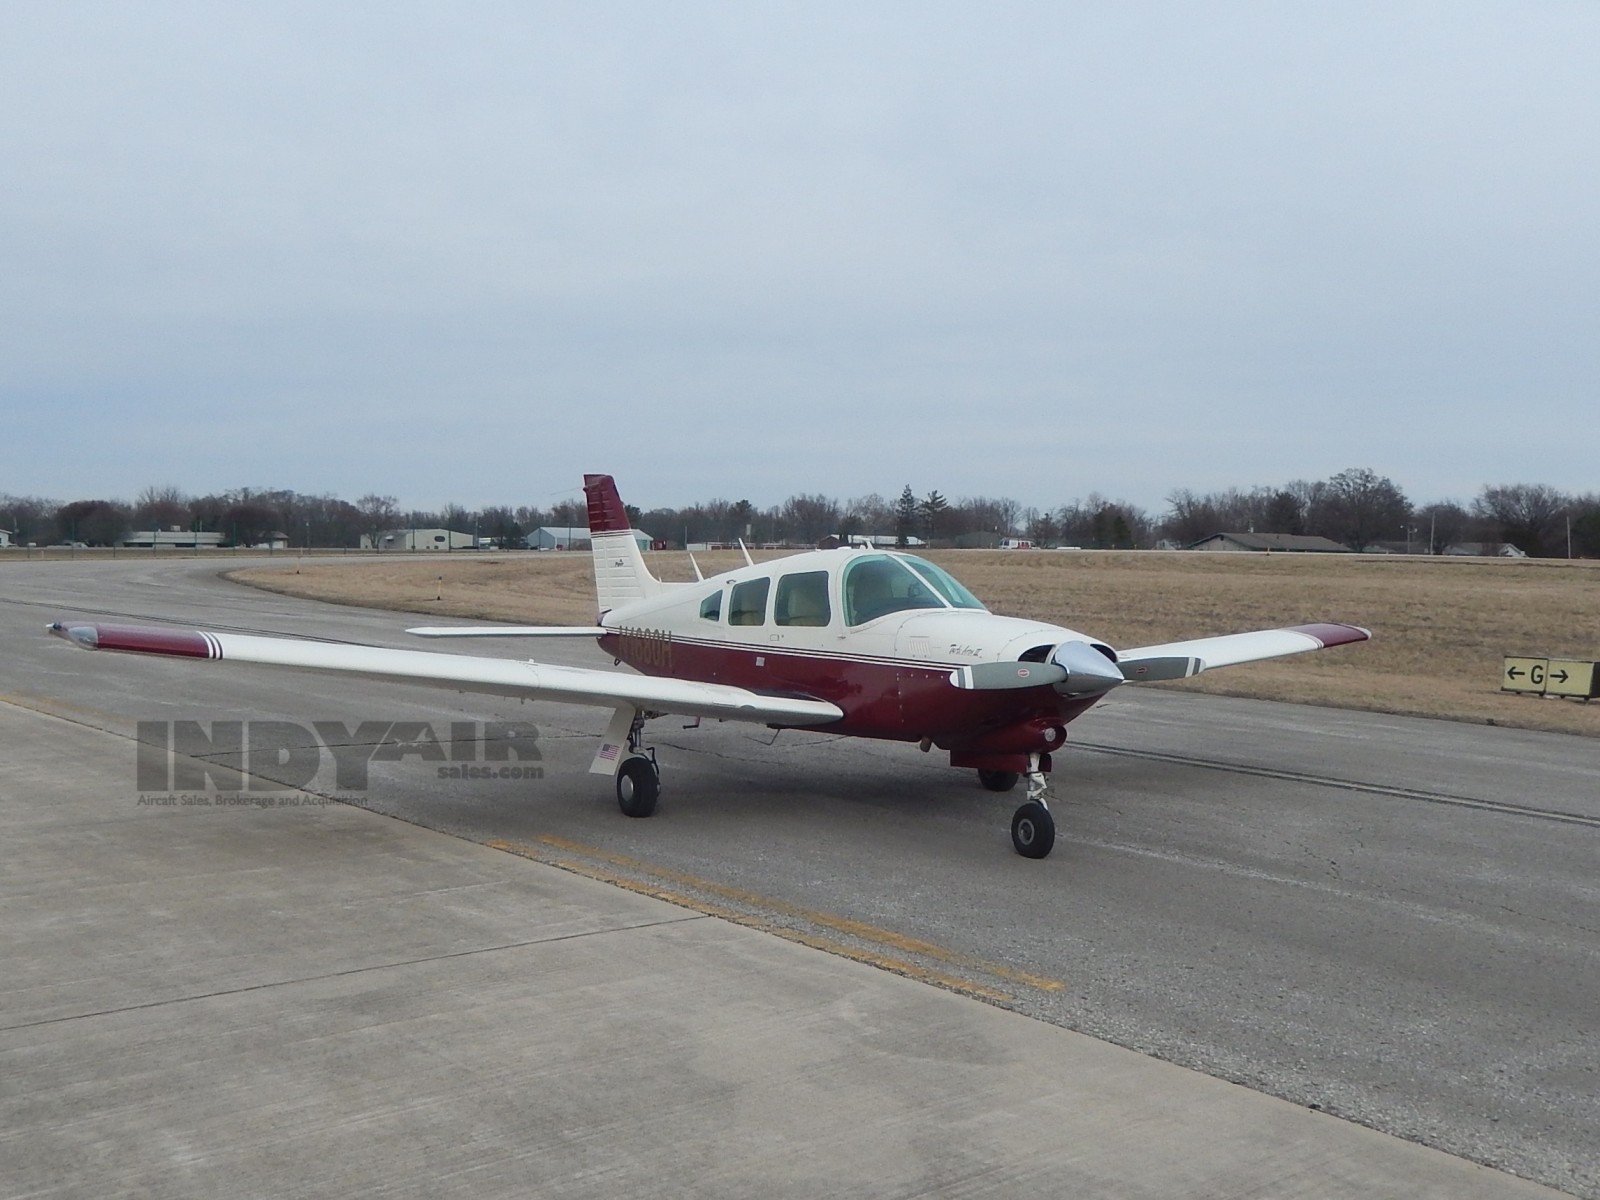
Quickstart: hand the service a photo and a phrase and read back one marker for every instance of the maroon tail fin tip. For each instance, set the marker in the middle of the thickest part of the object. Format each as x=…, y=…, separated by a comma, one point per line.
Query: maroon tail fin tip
x=606, y=513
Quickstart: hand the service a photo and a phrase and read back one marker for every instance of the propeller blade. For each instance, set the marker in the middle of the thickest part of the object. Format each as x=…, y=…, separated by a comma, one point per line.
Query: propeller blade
x=1002, y=676
x=1149, y=670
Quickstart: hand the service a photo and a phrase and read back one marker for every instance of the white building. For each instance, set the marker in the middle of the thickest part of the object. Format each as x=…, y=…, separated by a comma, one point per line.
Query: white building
x=171, y=539
x=5, y=538
x=419, y=540
x=573, y=537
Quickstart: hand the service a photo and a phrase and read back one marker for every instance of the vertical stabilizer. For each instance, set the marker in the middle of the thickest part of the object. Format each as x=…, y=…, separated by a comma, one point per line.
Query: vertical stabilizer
x=620, y=576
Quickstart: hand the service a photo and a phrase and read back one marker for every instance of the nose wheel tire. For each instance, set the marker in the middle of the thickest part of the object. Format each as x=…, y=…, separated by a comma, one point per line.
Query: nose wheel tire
x=638, y=785
x=1033, y=830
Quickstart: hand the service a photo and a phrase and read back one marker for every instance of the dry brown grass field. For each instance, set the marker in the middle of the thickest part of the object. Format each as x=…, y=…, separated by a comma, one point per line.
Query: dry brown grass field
x=1440, y=626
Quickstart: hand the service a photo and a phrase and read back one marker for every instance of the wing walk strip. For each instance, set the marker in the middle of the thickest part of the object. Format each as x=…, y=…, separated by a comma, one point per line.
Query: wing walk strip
x=1347, y=785
x=847, y=938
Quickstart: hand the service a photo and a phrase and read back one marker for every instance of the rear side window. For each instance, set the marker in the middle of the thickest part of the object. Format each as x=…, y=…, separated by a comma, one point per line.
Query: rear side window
x=711, y=606
x=747, y=604
x=802, y=599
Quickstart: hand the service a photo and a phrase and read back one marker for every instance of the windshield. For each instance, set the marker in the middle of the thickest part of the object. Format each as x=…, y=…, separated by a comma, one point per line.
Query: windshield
x=876, y=585
x=944, y=583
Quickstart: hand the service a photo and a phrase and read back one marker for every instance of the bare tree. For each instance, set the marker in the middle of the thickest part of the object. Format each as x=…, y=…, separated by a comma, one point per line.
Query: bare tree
x=1531, y=516
x=161, y=508
x=1363, y=507
x=93, y=522
x=1191, y=517
x=1584, y=529
x=810, y=518
x=28, y=518
x=379, y=515
x=1442, y=524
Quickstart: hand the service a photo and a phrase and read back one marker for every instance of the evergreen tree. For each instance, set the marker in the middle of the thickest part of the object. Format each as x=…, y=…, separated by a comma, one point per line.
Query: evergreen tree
x=905, y=517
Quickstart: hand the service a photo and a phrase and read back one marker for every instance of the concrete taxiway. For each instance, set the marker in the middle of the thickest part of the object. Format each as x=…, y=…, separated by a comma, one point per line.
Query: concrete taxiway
x=1387, y=919
x=286, y=998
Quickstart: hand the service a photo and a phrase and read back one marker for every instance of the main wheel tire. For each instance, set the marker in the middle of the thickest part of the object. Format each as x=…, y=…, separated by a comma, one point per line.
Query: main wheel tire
x=1033, y=830
x=998, y=781
x=638, y=785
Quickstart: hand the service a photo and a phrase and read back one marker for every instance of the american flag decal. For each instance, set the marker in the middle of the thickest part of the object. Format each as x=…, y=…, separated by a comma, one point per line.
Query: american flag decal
x=609, y=752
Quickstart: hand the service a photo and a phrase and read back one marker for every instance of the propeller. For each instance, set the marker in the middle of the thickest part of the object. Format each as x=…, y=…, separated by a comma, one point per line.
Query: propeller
x=1074, y=669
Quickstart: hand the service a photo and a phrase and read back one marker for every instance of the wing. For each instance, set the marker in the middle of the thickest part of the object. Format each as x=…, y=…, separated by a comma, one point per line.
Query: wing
x=464, y=672
x=1179, y=660
x=559, y=631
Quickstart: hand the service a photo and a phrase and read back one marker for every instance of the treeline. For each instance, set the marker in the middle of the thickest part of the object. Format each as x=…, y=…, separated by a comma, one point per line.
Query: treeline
x=248, y=517
x=1357, y=508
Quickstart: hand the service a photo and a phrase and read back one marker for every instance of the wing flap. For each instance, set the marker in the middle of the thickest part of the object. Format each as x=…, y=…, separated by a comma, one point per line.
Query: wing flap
x=1166, y=661
x=464, y=672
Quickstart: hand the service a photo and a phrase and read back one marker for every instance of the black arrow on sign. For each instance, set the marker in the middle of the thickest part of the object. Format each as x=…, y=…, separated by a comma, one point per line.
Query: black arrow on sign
x=1514, y=672
x=1559, y=678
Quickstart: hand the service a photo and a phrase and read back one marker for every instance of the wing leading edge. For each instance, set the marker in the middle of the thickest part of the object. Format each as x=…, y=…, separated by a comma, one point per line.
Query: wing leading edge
x=1178, y=660
x=463, y=672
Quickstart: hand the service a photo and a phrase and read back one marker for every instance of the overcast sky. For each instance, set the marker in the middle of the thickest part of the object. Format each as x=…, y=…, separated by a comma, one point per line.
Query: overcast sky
x=467, y=252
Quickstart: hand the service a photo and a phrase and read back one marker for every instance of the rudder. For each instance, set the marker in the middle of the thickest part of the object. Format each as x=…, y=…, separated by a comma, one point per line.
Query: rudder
x=620, y=574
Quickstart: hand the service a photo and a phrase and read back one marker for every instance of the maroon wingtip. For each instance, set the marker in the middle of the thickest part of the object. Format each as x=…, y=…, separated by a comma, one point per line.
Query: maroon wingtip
x=141, y=639
x=1330, y=634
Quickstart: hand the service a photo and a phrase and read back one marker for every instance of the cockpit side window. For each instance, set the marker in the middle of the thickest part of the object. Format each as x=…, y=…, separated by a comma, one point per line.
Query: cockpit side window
x=802, y=599
x=876, y=585
x=747, y=604
x=711, y=606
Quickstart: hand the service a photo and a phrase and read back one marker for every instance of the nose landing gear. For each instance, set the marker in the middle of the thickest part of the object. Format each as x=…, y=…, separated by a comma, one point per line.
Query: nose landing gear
x=1033, y=829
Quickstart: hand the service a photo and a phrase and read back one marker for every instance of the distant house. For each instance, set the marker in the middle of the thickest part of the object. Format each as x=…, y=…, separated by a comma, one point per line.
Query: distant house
x=573, y=537
x=1483, y=550
x=1269, y=543
x=5, y=538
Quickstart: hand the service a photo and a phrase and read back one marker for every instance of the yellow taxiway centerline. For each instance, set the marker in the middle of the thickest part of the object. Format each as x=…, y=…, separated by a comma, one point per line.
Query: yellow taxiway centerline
x=842, y=925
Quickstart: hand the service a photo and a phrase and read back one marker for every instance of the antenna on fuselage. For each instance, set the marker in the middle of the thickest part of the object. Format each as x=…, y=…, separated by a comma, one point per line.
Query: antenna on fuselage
x=699, y=578
x=748, y=561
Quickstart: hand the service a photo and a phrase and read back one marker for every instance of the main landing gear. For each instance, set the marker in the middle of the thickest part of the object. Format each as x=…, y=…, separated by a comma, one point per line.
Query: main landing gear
x=1033, y=829
x=638, y=777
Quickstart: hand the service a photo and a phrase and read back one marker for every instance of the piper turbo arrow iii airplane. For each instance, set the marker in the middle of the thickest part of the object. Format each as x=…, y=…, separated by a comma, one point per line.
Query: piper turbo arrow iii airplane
x=856, y=642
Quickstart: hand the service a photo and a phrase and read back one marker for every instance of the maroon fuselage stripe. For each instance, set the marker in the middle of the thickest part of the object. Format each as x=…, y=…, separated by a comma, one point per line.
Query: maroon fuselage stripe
x=140, y=640
x=895, y=701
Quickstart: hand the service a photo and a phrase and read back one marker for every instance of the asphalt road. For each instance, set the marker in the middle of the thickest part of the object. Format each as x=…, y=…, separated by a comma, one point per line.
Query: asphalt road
x=1391, y=920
